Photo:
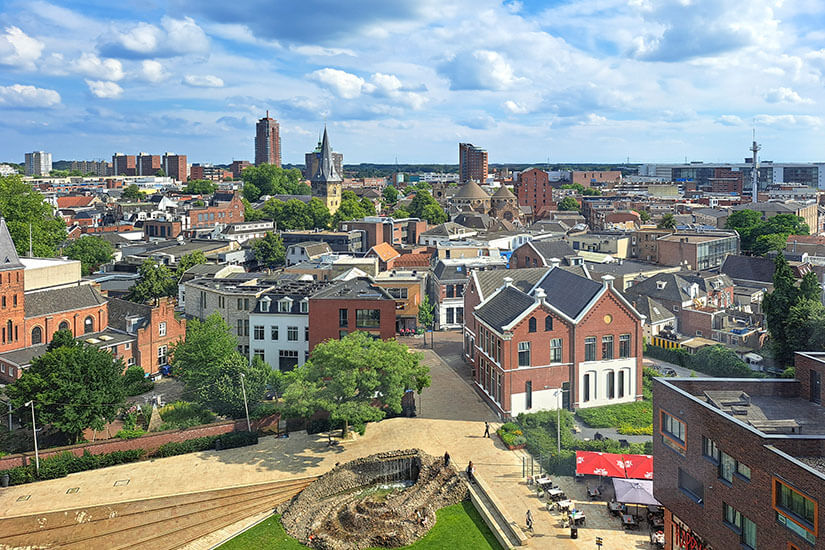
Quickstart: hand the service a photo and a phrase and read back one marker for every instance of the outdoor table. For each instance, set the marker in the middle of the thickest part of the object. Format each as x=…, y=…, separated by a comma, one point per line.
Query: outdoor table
x=593, y=493
x=657, y=523
x=577, y=516
x=564, y=504
x=555, y=493
x=616, y=508
x=629, y=522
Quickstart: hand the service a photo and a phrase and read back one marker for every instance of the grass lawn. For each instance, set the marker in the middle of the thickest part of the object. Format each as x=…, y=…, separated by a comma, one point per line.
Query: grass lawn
x=458, y=527
x=630, y=418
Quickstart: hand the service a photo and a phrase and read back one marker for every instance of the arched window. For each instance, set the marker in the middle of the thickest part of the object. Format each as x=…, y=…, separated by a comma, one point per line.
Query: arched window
x=548, y=323
x=37, y=336
x=88, y=325
x=532, y=324
x=63, y=326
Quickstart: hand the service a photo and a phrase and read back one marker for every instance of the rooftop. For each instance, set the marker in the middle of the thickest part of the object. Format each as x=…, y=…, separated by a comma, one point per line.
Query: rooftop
x=769, y=414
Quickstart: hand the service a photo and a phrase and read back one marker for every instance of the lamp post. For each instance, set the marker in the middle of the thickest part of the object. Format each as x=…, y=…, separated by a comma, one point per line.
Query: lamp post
x=559, y=392
x=245, y=405
x=34, y=431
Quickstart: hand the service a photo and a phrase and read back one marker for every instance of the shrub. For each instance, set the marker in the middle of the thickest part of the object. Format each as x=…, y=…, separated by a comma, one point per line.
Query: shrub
x=135, y=381
x=511, y=434
x=65, y=463
x=130, y=433
x=627, y=429
x=233, y=440
x=182, y=414
x=262, y=410
x=636, y=414
x=183, y=447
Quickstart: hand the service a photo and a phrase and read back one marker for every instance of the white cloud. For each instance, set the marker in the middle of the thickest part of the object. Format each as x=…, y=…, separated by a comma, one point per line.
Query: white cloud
x=203, y=81
x=153, y=71
x=784, y=95
x=103, y=89
x=515, y=107
x=91, y=65
x=341, y=83
x=18, y=95
x=174, y=37
x=479, y=70
x=730, y=120
x=383, y=84
x=320, y=51
x=17, y=49
x=783, y=121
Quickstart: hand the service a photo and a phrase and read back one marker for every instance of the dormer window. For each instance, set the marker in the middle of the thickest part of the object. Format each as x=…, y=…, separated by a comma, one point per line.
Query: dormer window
x=660, y=285
x=265, y=302
x=304, y=306
x=285, y=305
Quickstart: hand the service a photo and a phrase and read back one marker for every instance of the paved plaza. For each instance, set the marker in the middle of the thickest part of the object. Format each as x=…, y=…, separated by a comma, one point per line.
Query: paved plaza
x=451, y=418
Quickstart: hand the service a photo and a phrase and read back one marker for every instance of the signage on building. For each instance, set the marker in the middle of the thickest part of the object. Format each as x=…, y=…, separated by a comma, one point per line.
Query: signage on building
x=685, y=539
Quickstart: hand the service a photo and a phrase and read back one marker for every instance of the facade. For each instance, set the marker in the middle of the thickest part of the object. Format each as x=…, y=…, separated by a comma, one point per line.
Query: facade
x=534, y=189
x=267, y=141
x=38, y=163
x=92, y=167
x=124, y=165
x=175, y=166
x=588, y=178
x=342, y=242
x=542, y=253
x=408, y=287
x=472, y=163
x=350, y=306
x=379, y=229
x=546, y=347
x=616, y=244
x=238, y=167
x=208, y=172
x=808, y=174
x=148, y=165
x=223, y=208
x=696, y=251
x=447, y=283
x=739, y=464
x=155, y=329
x=305, y=251
x=327, y=181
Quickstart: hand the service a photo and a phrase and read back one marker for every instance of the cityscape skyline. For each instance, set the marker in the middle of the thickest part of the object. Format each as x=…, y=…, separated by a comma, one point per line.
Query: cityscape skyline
x=549, y=83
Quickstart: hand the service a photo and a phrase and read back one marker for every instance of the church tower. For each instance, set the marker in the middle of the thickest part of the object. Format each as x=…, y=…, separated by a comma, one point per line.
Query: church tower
x=327, y=181
x=12, y=314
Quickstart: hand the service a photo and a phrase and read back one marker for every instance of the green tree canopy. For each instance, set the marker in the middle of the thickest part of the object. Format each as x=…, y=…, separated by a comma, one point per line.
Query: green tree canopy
x=91, y=252
x=762, y=236
x=569, y=203
x=74, y=387
x=188, y=261
x=319, y=213
x=351, y=208
x=355, y=379
x=425, y=207
x=269, y=179
x=777, y=304
x=23, y=207
x=400, y=213
x=210, y=366
x=668, y=221
x=132, y=192
x=724, y=362
x=426, y=312
x=390, y=194
x=269, y=251
x=250, y=213
x=200, y=187
x=644, y=215
x=154, y=281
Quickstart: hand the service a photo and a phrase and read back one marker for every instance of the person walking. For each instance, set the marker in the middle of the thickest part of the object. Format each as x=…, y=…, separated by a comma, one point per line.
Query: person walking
x=471, y=470
x=446, y=458
x=529, y=520
x=486, y=429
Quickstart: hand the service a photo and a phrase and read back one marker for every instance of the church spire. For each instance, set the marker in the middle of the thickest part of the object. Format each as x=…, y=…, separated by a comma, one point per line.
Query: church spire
x=326, y=164
x=9, y=258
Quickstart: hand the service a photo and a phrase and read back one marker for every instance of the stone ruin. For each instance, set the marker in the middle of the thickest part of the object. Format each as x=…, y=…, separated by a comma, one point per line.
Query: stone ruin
x=387, y=500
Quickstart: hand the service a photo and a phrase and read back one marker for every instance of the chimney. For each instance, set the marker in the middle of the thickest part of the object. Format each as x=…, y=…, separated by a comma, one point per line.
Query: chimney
x=540, y=295
x=555, y=262
x=508, y=281
x=607, y=280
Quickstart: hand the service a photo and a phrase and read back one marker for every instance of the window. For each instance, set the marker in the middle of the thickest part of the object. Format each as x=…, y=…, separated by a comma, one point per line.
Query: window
x=748, y=533
x=674, y=432
x=284, y=306
x=342, y=333
x=731, y=516
x=246, y=327
x=548, y=324
x=727, y=465
x=304, y=306
x=222, y=302
x=162, y=328
x=586, y=387
x=450, y=291
x=287, y=360
x=292, y=334
x=88, y=325
x=258, y=354
x=240, y=327
x=3, y=301
x=240, y=303
x=127, y=345
x=306, y=333
x=64, y=325
x=611, y=384
x=450, y=316
x=624, y=346
x=607, y=347
x=258, y=332
x=691, y=486
x=459, y=315
x=528, y=394
x=555, y=350
x=130, y=361
x=398, y=293
x=37, y=336
x=265, y=303
x=367, y=318
x=795, y=511
x=203, y=299
x=709, y=449
x=743, y=470
x=524, y=354
x=162, y=352
x=532, y=324
x=590, y=348
x=343, y=318
x=273, y=333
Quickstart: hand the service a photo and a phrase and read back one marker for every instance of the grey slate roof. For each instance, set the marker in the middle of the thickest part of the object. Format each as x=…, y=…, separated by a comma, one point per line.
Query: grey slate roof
x=503, y=308
x=651, y=309
x=568, y=292
x=552, y=249
x=523, y=279
x=119, y=310
x=46, y=302
x=675, y=290
x=326, y=166
x=749, y=268
x=8, y=254
x=360, y=288
x=451, y=272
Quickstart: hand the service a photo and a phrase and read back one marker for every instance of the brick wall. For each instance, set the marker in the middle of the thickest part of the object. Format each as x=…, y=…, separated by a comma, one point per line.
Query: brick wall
x=804, y=366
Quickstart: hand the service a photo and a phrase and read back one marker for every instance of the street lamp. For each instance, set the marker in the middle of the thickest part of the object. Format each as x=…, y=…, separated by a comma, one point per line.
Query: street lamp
x=245, y=405
x=559, y=392
x=34, y=431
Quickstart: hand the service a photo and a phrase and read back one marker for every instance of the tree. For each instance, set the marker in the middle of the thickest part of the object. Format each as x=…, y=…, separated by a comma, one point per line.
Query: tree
x=356, y=379
x=776, y=306
x=425, y=313
x=400, y=214
x=91, y=252
x=805, y=326
x=250, y=214
x=73, y=387
x=24, y=208
x=269, y=251
x=200, y=187
x=668, y=221
x=569, y=203
x=132, y=192
x=390, y=194
x=425, y=207
x=210, y=366
x=154, y=281
x=762, y=236
x=367, y=206
x=774, y=242
x=351, y=208
x=161, y=173
x=188, y=261
x=434, y=214
x=644, y=215
x=721, y=361
x=319, y=213
x=809, y=287
x=269, y=179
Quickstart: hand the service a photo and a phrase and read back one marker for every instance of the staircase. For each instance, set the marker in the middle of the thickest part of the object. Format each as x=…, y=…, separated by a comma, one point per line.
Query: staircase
x=160, y=523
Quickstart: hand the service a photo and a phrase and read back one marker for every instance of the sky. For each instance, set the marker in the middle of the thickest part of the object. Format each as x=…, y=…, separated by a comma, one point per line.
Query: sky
x=531, y=81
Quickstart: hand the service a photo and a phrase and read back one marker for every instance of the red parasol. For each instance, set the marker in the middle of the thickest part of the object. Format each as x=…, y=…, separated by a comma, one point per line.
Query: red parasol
x=638, y=466
x=600, y=464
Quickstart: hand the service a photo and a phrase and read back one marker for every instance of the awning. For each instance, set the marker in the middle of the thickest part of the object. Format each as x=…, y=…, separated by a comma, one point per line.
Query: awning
x=599, y=464
x=635, y=491
x=638, y=466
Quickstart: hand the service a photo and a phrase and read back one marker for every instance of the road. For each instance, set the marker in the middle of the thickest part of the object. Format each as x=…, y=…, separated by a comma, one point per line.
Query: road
x=680, y=371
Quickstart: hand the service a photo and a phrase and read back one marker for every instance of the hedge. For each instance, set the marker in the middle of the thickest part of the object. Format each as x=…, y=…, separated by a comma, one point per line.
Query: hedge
x=711, y=360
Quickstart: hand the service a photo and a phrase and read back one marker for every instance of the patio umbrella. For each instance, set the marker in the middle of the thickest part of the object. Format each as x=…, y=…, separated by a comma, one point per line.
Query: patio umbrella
x=638, y=466
x=600, y=464
x=635, y=491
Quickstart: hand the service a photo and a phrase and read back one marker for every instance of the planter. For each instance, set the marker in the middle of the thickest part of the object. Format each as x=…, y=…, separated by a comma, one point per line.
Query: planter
x=515, y=447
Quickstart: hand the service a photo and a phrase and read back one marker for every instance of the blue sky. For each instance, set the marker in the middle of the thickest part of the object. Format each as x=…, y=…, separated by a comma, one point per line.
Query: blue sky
x=599, y=81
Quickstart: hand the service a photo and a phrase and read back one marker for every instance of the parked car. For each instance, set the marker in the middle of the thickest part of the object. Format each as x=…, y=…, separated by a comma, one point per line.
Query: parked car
x=666, y=371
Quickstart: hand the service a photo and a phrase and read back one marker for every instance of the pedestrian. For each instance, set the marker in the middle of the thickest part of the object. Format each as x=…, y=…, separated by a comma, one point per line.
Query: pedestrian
x=471, y=470
x=486, y=429
x=446, y=458
x=529, y=521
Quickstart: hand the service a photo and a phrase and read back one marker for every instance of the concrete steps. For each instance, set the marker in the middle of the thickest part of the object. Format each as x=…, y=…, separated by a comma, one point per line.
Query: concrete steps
x=158, y=523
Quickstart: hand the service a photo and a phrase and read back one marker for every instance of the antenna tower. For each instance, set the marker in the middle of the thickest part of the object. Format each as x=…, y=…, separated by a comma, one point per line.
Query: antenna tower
x=755, y=166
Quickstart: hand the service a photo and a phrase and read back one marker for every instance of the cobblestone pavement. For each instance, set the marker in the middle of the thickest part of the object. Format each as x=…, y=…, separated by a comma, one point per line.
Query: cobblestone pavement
x=451, y=418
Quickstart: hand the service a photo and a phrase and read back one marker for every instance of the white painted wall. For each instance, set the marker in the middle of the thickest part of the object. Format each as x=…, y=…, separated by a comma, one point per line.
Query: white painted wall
x=272, y=347
x=598, y=381
x=543, y=400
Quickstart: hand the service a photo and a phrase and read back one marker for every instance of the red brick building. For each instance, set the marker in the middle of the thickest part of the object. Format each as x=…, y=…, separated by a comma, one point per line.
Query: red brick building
x=350, y=306
x=161, y=229
x=223, y=208
x=588, y=178
x=540, y=253
x=148, y=165
x=387, y=230
x=124, y=165
x=472, y=163
x=237, y=168
x=534, y=189
x=155, y=329
x=546, y=346
x=741, y=464
x=175, y=166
